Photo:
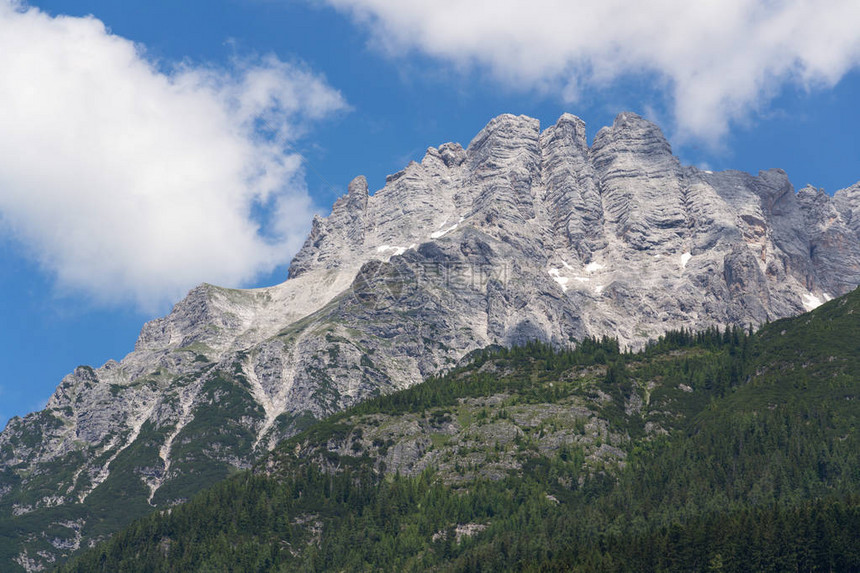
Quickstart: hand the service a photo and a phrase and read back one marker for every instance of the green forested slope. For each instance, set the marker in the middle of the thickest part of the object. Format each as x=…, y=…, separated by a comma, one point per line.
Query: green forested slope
x=718, y=451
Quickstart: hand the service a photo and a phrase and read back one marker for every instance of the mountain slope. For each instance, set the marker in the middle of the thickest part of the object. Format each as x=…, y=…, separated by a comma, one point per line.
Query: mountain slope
x=711, y=452
x=523, y=235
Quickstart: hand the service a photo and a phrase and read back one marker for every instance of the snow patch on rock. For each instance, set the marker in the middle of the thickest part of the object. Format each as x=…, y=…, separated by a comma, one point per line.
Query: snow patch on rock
x=811, y=302
x=443, y=232
x=556, y=276
x=685, y=258
x=393, y=251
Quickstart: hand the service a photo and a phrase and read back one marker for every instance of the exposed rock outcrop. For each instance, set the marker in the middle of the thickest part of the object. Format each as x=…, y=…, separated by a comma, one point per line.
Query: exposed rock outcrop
x=522, y=235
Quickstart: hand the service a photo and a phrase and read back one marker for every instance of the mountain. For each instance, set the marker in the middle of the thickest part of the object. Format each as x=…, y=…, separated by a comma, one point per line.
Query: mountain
x=717, y=451
x=523, y=235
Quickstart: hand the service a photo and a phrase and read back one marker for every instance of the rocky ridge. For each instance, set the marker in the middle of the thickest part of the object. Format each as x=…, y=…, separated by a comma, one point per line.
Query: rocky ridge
x=524, y=234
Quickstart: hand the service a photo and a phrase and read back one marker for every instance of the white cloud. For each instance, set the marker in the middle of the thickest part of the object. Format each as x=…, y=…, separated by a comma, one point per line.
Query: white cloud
x=129, y=182
x=719, y=59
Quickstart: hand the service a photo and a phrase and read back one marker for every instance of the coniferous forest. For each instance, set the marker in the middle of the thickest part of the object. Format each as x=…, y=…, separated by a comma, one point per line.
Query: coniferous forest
x=723, y=450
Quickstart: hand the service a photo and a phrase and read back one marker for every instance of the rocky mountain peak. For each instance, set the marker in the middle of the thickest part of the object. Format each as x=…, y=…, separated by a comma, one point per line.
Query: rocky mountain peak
x=505, y=141
x=569, y=130
x=504, y=129
x=449, y=154
x=633, y=135
x=847, y=201
x=776, y=190
x=522, y=235
x=810, y=192
x=357, y=193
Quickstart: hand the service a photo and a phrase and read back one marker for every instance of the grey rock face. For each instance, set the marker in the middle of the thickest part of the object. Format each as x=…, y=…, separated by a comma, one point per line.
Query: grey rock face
x=640, y=183
x=524, y=234
x=847, y=202
x=572, y=197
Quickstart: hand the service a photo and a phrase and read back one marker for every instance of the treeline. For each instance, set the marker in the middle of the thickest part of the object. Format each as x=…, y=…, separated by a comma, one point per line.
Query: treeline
x=549, y=361
x=760, y=472
x=818, y=535
x=353, y=521
x=708, y=338
x=470, y=381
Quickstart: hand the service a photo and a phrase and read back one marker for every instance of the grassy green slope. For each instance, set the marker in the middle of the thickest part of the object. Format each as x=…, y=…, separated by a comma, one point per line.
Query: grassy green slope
x=719, y=451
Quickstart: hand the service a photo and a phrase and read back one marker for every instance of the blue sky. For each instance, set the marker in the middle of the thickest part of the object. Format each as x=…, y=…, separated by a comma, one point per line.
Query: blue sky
x=135, y=130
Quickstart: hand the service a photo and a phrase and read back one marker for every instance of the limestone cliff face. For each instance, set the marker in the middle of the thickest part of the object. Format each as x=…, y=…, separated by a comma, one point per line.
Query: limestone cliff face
x=523, y=234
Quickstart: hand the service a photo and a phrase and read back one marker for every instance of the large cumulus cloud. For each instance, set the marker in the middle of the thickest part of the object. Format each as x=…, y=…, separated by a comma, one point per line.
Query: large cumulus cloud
x=134, y=180
x=715, y=60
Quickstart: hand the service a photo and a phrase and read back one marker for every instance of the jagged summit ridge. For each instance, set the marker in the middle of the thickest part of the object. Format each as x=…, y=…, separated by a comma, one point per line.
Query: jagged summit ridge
x=525, y=233
x=626, y=190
